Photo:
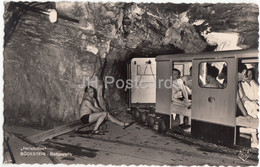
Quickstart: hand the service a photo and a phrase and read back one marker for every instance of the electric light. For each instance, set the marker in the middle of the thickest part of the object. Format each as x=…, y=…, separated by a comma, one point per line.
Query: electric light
x=53, y=15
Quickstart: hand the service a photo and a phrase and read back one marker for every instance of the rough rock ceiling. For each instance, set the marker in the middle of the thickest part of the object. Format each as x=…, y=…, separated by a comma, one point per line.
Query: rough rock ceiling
x=240, y=18
x=155, y=18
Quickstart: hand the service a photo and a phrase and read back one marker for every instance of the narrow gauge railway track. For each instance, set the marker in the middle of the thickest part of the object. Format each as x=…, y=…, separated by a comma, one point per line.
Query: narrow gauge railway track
x=143, y=119
x=173, y=151
x=209, y=147
x=54, y=144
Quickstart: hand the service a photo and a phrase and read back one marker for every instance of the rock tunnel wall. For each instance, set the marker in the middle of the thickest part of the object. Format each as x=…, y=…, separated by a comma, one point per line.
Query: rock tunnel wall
x=45, y=63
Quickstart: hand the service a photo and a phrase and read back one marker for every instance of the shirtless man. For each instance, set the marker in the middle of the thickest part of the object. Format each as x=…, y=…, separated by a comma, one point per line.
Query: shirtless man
x=90, y=112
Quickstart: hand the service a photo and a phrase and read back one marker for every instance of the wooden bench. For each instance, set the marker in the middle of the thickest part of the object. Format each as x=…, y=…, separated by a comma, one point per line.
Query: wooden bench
x=177, y=109
x=247, y=122
x=240, y=121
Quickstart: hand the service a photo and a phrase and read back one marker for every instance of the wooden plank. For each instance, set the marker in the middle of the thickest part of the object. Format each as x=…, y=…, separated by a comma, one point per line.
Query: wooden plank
x=17, y=143
x=247, y=122
x=8, y=155
x=181, y=110
x=49, y=134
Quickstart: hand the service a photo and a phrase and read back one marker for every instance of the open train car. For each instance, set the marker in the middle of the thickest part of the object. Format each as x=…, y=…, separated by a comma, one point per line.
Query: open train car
x=214, y=110
x=143, y=74
x=142, y=96
x=214, y=114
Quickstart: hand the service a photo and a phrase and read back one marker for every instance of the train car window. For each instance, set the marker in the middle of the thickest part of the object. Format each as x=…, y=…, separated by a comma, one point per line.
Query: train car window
x=180, y=67
x=147, y=69
x=250, y=64
x=213, y=75
x=183, y=67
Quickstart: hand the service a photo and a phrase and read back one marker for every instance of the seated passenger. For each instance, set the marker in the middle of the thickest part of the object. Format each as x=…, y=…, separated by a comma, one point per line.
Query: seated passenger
x=187, y=81
x=250, y=94
x=179, y=94
x=211, y=81
x=248, y=100
x=90, y=112
x=241, y=77
x=223, y=75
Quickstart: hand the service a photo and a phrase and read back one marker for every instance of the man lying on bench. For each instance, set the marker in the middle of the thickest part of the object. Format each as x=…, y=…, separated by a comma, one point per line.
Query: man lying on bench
x=90, y=112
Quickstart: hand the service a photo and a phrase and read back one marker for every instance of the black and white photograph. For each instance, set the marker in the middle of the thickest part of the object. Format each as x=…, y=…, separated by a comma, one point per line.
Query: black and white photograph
x=159, y=83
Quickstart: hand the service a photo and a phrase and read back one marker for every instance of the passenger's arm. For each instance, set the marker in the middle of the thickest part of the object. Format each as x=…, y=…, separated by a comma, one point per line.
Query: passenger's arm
x=187, y=84
x=185, y=93
x=241, y=106
x=256, y=88
x=240, y=94
x=188, y=90
x=183, y=90
x=243, y=96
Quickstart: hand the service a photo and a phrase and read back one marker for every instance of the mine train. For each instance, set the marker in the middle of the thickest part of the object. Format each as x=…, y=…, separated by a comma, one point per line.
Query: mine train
x=214, y=114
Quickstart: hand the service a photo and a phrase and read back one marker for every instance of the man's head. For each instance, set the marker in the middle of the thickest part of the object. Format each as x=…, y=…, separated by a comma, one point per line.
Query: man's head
x=241, y=67
x=241, y=72
x=212, y=73
x=176, y=74
x=90, y=91
x=250, y=73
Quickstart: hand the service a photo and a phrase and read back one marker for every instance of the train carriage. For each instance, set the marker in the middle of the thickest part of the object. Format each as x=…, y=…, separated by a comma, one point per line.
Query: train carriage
x=142, y=96
x=214, y=112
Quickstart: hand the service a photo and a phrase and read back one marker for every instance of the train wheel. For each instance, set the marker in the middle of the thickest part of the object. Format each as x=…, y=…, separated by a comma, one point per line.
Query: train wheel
x=143, y=117
x=162, y=126
x=150, y=121
x=137, y=115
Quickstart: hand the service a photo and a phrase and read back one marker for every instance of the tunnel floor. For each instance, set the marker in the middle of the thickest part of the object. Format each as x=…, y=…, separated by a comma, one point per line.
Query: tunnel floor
x=136, y=145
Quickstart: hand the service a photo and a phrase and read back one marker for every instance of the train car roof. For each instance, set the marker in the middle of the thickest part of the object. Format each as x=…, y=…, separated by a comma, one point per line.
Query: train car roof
x=247, y=53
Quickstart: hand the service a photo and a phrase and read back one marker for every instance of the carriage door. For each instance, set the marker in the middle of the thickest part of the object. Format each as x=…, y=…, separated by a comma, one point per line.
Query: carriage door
x=214, y=100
